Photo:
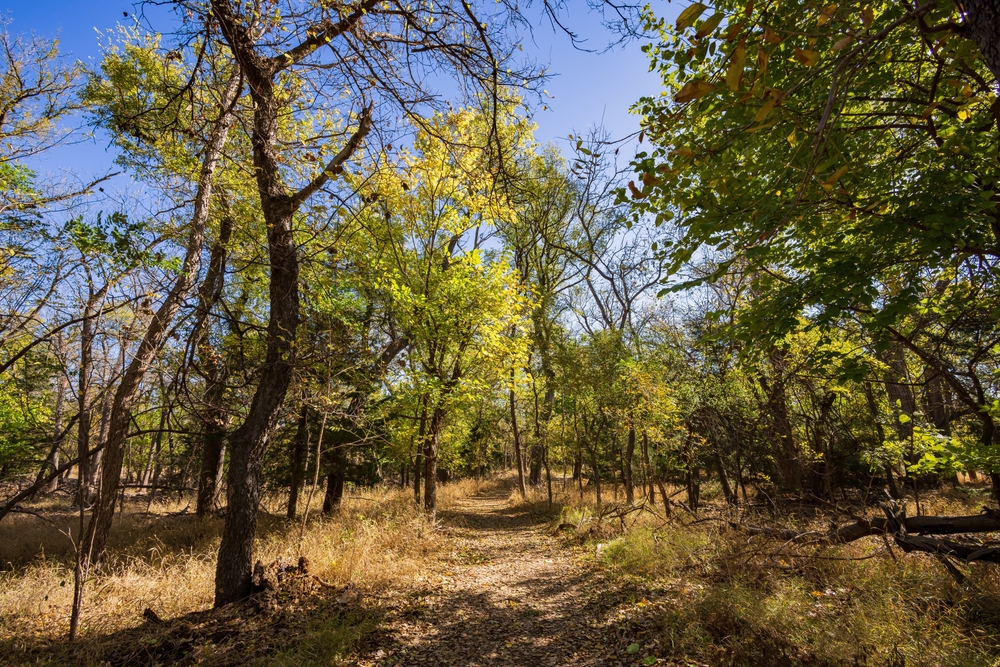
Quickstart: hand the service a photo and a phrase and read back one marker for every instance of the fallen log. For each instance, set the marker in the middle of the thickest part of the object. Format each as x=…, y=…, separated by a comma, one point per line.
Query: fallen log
x=986, y=522
x=909, y=533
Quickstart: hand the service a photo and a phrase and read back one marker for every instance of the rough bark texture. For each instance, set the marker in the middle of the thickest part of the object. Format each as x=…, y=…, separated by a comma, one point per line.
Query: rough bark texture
x=57, y=434
x=278, y=205
x=983, y=25
x=156, y=332
x=910, y=534
x=430, y=462
x=83, y=400
x=335, y=480
x=517, y=446
x=650, y=473
x=215, y=416
x=629, y=454
x=786, y=453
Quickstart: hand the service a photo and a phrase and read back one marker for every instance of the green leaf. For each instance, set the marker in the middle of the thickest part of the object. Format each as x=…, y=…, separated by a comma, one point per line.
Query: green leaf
x=709, y=25
x=690, y=15
x=632, y=648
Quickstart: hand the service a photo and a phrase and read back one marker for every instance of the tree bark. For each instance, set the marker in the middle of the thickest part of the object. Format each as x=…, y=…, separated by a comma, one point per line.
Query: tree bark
x=335, y=480
x=278, y=205
x=650, y=474
x=215, y=417
x=430, y=462
x=83, y=399
x=873, y=410
x=786, y=453
x=629, y=454
x=517, y=445
x=983, y=26
x=156, y=331
x=57, y=435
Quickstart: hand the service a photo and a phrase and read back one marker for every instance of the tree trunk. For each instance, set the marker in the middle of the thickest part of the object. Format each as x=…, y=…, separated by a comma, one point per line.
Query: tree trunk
x=215, y=417
x=627, y=467
x=430, y=462
x=156, y=331
x=517, y=444
x=786, y=454
x=418, y=459
x=298, y=460
x=57, y=435
x=335, y=480
x=983, y=26
x=83, y=400
x=727, y=490
x=213, y=457
x=935, y=405
x=651, y=494
x=278, y=206
x=102, y=441
x=597, y=473
x=873, y=410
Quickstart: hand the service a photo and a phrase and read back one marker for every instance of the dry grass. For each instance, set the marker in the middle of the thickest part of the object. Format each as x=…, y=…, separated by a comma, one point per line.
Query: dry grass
x=720, y=597
x=166, y=560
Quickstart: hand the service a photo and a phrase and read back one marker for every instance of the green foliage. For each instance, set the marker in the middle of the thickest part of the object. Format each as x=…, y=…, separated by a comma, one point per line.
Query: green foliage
x=837, y=155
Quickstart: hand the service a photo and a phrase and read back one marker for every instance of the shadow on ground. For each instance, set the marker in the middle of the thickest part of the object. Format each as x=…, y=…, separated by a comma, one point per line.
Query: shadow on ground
x=286, y=628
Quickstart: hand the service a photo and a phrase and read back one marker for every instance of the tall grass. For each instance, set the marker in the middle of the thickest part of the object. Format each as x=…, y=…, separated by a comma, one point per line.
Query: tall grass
x=165, y=560
x=725, y=598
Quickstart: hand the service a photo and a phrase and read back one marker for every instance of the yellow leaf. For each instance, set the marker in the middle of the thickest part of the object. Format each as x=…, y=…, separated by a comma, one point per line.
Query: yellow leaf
x=771, y=36
x=963, y=115
x=806, y=57
x=735, y=72
x=682, y=152
x=843, y=42
x=792, y=139
x=967, y=90
x=826, y=14
x=693, y=90
x=867, y=17
x=834, y=177
x=764, y=110
x=929, y=110
x=762, y=58
x=690, y=15
x=709, y=25
x=734, y=31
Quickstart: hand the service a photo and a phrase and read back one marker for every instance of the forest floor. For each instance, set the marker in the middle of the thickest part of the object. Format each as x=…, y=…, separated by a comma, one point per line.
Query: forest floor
x=510, y=594
x=497, y=581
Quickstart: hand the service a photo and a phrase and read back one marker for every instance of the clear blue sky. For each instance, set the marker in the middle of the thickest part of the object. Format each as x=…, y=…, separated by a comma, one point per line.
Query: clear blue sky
x=588, y=88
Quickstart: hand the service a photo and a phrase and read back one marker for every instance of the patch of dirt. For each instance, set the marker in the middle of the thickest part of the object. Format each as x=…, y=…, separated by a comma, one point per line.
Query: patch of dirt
x=511, y=594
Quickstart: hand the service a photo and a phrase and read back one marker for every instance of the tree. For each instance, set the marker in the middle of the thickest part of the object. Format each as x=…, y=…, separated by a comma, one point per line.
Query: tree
x=354, y=50
x=841, y=157
x=456, y=303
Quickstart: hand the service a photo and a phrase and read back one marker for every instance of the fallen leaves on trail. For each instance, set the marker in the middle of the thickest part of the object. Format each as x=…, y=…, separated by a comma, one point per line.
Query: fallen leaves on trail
x=519, y=596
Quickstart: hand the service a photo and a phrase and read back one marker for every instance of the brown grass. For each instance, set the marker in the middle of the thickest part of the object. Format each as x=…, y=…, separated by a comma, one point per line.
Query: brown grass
x=724, y=598
x=166, y=561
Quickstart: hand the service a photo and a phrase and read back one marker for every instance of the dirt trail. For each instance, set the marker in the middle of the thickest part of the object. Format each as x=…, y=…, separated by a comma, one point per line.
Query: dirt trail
x=512, y=594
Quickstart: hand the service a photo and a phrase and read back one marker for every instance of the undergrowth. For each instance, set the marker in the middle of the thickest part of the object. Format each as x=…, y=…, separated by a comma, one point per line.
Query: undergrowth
x=720, y=597
x=163, y=558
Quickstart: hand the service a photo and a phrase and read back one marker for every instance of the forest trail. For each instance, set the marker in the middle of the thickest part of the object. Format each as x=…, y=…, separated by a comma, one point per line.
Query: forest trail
x=512, y=594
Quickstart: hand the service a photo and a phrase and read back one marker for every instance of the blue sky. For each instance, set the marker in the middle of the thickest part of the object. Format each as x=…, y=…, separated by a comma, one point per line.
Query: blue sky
x=588, y=88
